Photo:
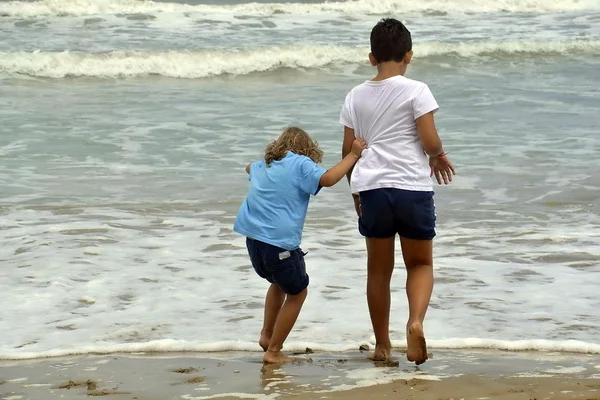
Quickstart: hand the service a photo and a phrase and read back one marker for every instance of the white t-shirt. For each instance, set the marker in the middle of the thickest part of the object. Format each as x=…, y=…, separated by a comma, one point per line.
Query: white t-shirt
x=383, y=114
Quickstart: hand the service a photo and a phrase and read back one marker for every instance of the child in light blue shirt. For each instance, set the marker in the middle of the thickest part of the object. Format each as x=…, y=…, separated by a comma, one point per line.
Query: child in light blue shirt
x=272, y=219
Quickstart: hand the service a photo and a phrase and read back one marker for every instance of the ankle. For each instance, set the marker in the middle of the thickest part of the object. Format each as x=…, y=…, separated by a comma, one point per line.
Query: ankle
x=274, y=349
x=414, y=325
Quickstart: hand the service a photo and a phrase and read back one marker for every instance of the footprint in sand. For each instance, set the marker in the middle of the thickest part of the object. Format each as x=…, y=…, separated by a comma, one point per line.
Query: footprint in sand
x=89, y=384
x=189, y=370
x=387, y=363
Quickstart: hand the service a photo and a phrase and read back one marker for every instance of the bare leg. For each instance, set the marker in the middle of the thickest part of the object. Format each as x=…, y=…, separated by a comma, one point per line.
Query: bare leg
x=380, y=265
x=418, y=258
x=285, y=322
x=273, y=302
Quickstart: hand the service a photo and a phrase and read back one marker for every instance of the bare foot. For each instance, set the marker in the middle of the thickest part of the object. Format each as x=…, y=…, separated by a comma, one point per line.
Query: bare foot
x=416, y=346
x=265, y=340
x=276, y=357
x=383, y=352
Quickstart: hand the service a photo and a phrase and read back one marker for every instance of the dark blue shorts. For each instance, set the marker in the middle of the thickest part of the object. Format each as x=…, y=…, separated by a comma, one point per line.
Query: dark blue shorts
x=387, y=212
x=285, y=268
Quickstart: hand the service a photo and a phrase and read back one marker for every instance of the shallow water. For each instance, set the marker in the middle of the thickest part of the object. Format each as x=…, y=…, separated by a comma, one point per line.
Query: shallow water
x=121, y=165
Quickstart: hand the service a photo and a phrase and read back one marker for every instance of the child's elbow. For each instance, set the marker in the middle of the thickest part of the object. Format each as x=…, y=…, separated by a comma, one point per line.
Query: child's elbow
x=326, y=181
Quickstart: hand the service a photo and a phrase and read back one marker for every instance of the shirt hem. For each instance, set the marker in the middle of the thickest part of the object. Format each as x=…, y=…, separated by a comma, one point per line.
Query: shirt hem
x=263, y=239
x=319, y=186
x=346, y=123
x=413, y=188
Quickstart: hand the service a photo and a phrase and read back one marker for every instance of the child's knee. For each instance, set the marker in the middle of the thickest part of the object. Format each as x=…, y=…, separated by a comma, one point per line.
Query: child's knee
x=420, y=267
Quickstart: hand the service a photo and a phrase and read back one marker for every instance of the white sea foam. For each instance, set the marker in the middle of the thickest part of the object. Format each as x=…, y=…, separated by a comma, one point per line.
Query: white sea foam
x=180, y=346
x=261, y=396
x=374, y=376
x=118, y=198
x=372, y=7
x=200, y=64
x=571, y=346
x=566, y=370
x=172, y=277
x=377, y=376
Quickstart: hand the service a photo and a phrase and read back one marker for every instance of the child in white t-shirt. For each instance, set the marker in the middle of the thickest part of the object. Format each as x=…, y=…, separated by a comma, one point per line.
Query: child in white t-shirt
x=391, y=183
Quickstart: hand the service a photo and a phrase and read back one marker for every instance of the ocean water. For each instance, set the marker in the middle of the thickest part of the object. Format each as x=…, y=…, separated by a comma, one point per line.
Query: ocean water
x=126, y=125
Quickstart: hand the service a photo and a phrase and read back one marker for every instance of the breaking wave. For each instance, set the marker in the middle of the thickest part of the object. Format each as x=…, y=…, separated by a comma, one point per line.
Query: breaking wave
x=368, y=7
x=203, y=64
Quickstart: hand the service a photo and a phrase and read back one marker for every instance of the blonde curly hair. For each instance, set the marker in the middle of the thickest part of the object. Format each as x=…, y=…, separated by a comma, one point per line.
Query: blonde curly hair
x=295, y=140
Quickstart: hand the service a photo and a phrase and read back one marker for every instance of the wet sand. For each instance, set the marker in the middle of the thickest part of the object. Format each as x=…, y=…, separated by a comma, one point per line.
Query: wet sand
x=449, y=374
x=477, y=388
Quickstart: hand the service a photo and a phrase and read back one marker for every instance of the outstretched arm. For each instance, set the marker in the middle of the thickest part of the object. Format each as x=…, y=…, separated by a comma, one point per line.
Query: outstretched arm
x=337, y=172
x=349, y=138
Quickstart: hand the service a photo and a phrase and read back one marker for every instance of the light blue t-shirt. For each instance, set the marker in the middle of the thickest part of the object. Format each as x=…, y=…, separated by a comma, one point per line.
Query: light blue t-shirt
x=275, y=208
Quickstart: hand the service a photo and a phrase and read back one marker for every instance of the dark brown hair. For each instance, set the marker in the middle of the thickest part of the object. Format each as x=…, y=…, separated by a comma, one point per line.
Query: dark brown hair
x=390, y=40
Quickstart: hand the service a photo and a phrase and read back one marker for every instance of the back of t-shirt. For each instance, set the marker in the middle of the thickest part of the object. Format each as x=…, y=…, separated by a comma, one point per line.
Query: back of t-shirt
x=275, y=208
x=383, y=114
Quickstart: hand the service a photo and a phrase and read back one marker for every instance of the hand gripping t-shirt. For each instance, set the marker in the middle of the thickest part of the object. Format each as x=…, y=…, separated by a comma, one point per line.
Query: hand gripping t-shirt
x=383, y=114
x=275, y=208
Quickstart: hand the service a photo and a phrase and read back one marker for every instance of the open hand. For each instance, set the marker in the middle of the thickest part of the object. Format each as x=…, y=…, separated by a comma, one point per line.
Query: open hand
x=358, y=146
x=442, y=168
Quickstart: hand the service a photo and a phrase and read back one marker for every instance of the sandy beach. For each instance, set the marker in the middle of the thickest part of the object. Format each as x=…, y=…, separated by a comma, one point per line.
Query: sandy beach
x=127, y=126
x=477, y=387
x=450, y=374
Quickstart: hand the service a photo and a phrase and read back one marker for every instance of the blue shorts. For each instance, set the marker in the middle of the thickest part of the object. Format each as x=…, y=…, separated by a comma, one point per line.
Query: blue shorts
x=386, y=212
x=285, y=268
